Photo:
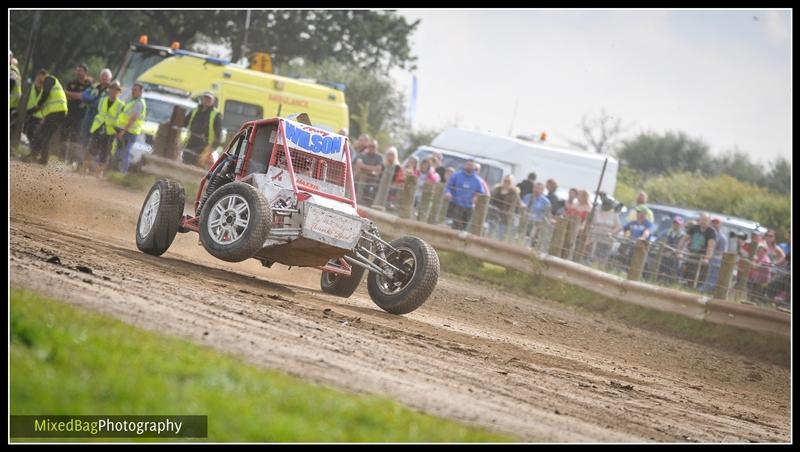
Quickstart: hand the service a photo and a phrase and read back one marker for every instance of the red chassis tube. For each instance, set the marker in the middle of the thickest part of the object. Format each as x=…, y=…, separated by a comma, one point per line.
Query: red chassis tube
x=191, y=223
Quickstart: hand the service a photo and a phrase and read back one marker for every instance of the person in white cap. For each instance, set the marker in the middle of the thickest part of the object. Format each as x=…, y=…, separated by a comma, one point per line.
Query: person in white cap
x=205, y=130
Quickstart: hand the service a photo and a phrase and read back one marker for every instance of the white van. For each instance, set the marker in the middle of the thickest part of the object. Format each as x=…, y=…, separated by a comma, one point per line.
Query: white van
x=570, y=169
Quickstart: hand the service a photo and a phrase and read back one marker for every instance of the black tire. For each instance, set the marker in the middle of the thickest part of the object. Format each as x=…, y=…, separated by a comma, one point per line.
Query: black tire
x=251, y=238
x=342, y=286
x=167, y=218
x=413, y=292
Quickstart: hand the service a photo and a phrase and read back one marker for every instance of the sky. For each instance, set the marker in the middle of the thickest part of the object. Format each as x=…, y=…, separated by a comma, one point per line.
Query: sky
x=723, y=76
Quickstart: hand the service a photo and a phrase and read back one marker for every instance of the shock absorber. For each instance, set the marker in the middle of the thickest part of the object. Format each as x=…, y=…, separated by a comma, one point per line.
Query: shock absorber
x=217, y=179
x=379, y=248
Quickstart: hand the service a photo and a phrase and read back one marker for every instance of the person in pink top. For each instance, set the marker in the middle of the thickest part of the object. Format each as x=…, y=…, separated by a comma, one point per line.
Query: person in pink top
x=761, y=271
x=427, y=175
x=427, y=172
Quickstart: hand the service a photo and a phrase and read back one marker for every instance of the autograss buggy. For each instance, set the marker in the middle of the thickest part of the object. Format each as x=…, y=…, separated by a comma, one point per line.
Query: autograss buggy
x=294, y=205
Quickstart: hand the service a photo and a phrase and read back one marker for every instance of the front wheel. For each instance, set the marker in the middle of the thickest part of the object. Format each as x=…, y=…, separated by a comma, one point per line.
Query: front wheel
x=405, y=293
x=234, y=222
x=160, y=217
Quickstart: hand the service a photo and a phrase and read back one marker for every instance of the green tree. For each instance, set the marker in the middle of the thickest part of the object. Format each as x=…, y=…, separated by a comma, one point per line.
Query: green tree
x=674, y=152
x=373, y=40
x=779, y=178
x=67, y=38
x=652, y=153
x=417, y=138
x=737, y=164
x=358, y=39
x=769, y=210
x=628, y=179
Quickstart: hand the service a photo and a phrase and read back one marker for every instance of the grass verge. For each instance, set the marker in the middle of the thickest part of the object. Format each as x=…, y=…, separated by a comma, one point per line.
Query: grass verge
x=69, y=361
x=763, y=347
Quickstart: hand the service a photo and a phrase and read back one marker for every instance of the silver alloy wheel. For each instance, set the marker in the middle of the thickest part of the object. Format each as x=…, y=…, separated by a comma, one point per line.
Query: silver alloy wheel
x=228, y=219
x=404, y=259
x=149, y=213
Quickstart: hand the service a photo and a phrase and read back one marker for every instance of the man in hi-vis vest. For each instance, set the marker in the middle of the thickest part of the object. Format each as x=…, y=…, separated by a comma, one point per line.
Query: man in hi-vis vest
x=205, y=129
x=129, y=126
x=14, y=88
x=34, y=117
x=52, y=106
x=102, y=129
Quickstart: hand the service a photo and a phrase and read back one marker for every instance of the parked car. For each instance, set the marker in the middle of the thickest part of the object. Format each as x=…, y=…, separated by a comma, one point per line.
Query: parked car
x=731, y=226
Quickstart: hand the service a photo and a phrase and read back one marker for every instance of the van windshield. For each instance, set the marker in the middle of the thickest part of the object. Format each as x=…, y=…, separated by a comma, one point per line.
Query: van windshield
x=137, y=62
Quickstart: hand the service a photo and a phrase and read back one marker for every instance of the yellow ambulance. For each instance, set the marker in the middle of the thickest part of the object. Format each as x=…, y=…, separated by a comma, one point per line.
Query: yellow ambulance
x=245, y=94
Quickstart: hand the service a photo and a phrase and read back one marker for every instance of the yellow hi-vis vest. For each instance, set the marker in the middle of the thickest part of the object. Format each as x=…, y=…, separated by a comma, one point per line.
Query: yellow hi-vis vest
x=16, y=93
x=57, y=100
x=211, y=118
x=125, y=116
x=107, y=116
x=33, y=99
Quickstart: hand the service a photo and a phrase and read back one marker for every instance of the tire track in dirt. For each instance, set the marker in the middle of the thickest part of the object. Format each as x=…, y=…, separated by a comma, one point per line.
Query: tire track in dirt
x=530, y=367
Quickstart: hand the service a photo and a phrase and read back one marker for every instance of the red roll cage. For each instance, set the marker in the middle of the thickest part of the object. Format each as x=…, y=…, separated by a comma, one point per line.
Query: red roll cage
x=288, y=157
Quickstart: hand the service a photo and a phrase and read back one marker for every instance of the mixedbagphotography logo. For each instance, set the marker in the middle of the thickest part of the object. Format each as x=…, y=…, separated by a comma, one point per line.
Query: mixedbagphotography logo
x=166, y=426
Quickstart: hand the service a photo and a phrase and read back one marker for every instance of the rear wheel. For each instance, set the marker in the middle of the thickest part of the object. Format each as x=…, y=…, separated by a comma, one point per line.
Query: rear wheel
x=160, y=217
x=234, y=222
x=407, y=292
x=340, y=285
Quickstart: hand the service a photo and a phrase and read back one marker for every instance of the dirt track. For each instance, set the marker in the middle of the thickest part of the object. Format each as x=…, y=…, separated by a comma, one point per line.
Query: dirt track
x=526, y=366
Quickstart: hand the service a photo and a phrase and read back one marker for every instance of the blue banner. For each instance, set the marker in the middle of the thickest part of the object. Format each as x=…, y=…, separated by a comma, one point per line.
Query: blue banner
x=317, y=141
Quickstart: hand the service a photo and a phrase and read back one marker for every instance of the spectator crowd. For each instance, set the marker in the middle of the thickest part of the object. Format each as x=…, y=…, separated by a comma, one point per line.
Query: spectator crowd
x=690, y=250
x=92, y=128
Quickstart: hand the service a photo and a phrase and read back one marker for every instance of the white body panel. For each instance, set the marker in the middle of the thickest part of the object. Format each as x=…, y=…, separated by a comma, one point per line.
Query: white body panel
x=333, y=222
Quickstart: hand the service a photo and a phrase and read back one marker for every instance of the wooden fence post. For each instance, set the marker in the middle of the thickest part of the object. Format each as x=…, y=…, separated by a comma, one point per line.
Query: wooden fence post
x=725, y=275
x=557, y=242
x=479, y=214
x=438, y=201
x=424, y=207
x=405, y=207
x=383, y=189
